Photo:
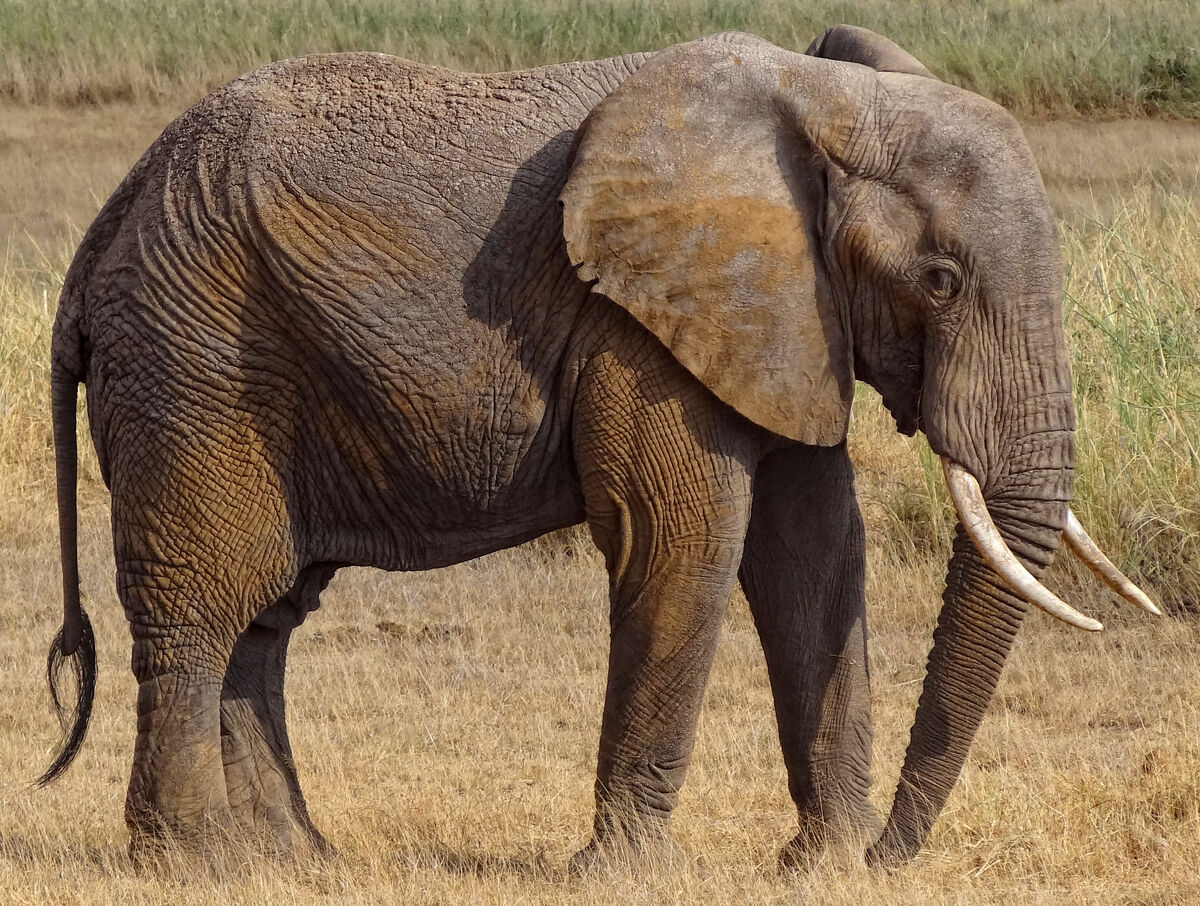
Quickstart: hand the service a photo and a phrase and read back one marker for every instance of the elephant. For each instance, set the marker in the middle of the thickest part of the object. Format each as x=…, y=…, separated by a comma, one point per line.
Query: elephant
x=354, y=310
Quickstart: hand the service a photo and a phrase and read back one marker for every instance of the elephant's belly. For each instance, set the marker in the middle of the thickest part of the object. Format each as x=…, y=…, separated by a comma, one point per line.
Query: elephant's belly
x=423, y=476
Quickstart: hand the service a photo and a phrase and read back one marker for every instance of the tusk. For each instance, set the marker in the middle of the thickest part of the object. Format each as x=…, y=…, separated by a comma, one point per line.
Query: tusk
x=968, y=501
x=1089, y=552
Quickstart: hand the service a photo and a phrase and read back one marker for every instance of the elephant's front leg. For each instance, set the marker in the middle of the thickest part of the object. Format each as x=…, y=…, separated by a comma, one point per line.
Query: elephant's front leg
x=803, y=573
x=667, y=503
x=665, y=626
x=260, y=774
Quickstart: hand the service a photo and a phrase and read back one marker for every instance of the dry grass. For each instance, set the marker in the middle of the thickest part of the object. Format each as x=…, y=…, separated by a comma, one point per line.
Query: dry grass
x=445, y=723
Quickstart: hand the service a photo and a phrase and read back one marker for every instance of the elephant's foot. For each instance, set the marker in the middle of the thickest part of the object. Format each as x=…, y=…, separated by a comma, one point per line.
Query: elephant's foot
x=203, y=848
x=176, y=798
x=842, y=836
x=212, y=768
x=168, y=842
x=623, y=856
x=258, y=820
x=267, y=806
x=628, y=845
x=155, y=837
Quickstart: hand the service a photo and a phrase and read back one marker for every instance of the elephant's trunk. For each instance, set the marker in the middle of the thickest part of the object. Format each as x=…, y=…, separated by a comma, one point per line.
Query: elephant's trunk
x=977, y=522
x=975, y=631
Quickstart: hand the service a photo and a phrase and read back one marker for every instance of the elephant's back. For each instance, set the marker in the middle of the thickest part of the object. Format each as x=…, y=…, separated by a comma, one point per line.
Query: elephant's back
x=416, y=151
x=365, y=255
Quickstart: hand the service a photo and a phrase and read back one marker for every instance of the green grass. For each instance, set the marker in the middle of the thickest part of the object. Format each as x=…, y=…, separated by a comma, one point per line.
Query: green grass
x=1132, y=311
x=1093, y=58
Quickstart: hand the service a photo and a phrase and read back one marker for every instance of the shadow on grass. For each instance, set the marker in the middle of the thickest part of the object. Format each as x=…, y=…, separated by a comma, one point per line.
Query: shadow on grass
x=437, y=855
x=215, y=867
x=37, y=853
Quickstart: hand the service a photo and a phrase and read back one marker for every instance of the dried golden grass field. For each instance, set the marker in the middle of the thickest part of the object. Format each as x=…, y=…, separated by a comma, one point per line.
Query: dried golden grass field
x=445, y=723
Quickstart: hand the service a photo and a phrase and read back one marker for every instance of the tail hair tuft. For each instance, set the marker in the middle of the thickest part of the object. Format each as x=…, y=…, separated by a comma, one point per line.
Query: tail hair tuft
x=74, y=720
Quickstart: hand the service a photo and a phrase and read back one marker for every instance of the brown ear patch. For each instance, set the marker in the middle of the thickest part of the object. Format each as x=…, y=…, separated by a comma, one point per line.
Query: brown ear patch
x=683, y=206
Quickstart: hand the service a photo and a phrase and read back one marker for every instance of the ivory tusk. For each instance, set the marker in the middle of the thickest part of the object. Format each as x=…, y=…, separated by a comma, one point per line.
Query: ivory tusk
x=968, y=501
x=1089, y=552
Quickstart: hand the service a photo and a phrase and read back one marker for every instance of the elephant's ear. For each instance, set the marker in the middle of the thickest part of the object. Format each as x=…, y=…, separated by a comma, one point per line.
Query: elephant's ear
x=861, y=45
x=695, y=204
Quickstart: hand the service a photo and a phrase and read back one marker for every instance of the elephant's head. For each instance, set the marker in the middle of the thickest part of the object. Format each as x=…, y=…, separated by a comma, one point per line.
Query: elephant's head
x=788, y=223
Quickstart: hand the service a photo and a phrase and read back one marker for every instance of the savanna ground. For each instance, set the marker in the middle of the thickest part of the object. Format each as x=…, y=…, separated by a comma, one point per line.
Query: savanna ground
x=445, y=723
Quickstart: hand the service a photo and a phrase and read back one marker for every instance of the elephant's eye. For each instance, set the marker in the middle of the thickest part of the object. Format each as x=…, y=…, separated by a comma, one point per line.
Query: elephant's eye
x=942, y=279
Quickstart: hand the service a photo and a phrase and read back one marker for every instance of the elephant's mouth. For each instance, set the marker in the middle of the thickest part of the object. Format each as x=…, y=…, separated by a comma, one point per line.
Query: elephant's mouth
x=977, y=521
x=901, y=397
x=899, y=385
x=908, y=421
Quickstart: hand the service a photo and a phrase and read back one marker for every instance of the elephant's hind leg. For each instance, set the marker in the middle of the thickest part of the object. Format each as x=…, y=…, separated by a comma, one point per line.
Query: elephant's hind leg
x=178, y=789
x=202, y=544
x=803, y=574
x=260, y=774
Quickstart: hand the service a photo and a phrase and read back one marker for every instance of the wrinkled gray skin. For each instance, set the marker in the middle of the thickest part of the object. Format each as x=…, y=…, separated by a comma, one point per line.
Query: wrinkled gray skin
x=338, y=314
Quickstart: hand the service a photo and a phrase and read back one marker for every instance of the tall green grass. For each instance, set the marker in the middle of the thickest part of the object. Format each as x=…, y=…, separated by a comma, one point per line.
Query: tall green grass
x=1093, y=57
x=1133, y=317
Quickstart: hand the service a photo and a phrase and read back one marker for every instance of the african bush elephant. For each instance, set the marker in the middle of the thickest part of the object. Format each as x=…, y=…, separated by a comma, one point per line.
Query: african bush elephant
x=354, y=310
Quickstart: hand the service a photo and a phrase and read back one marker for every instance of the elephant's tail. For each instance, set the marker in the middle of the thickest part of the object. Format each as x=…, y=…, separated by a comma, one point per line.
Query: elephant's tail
x=74, y=720
x=74, y=645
